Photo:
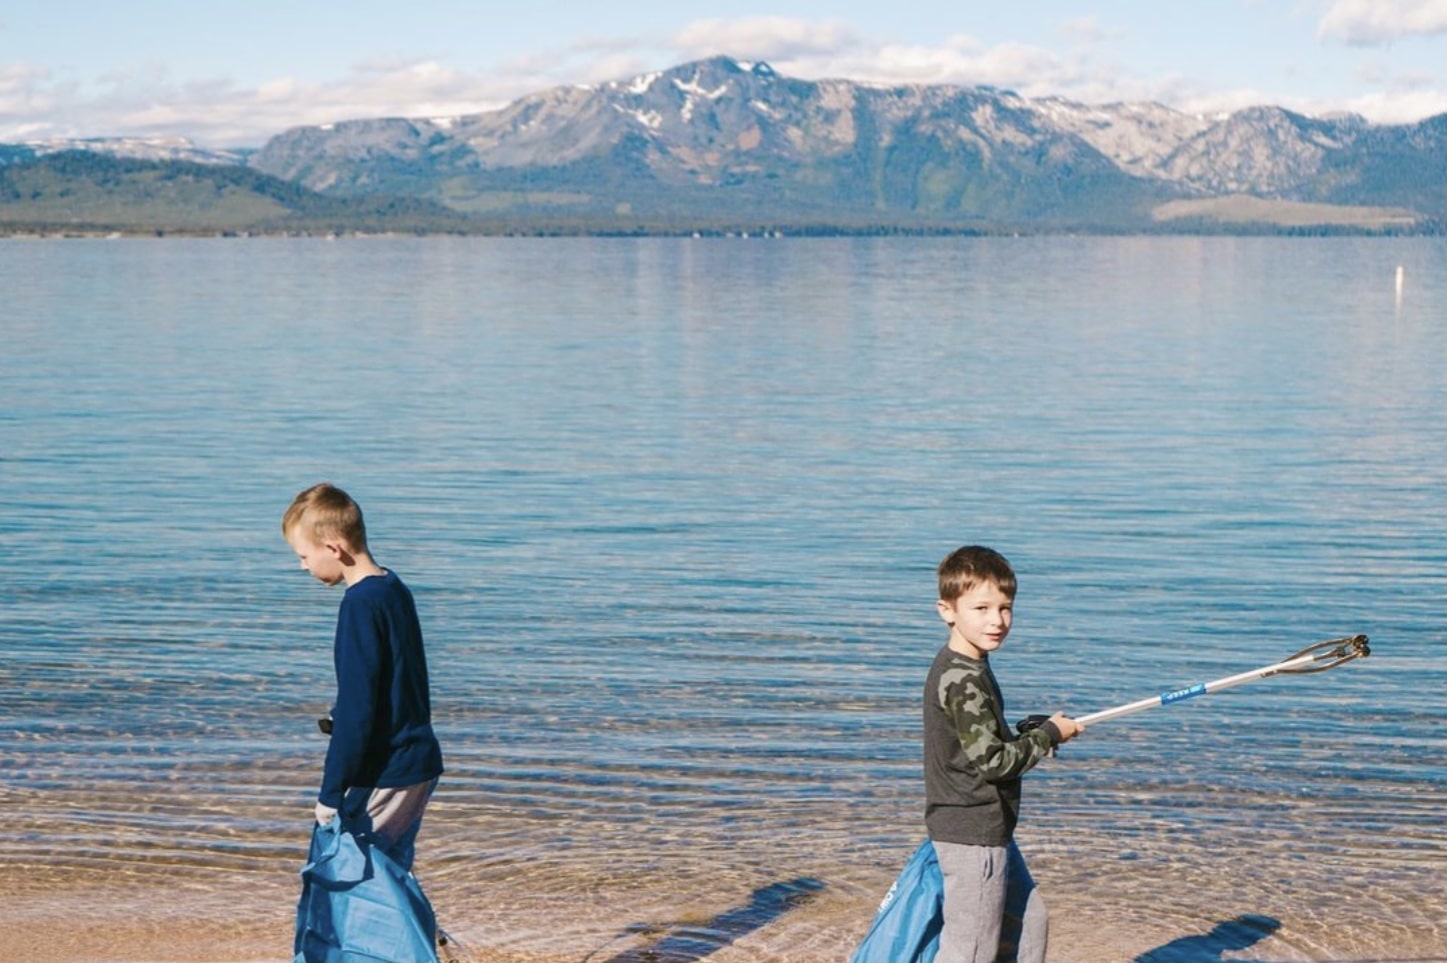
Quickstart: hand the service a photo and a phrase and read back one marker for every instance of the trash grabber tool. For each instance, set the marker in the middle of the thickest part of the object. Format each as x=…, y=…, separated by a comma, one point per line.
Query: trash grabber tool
x=1313, y=658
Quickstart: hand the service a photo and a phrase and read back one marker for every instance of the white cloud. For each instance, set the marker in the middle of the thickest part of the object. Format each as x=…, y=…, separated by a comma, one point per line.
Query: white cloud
x=1089, y=30
x=820, y=50
x=765, y=38
x=1368, y=23
x=216, y=112
x=796, y=50
x=26, y=88
x=33, y=105
x=831, y=50
x=1397, y=106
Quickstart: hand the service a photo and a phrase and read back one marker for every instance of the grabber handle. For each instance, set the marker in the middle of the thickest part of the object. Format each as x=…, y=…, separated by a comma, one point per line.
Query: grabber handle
x=1031, y=722
x=1313, y=658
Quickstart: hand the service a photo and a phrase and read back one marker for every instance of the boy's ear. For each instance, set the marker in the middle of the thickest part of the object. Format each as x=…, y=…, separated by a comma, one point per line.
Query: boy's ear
x=946, y=611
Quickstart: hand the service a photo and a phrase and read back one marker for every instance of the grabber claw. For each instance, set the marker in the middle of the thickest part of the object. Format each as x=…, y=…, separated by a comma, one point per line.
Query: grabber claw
x=1327, y=655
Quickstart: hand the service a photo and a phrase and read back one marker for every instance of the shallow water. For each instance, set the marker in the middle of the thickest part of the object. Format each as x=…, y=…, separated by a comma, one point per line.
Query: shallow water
x=671, y=509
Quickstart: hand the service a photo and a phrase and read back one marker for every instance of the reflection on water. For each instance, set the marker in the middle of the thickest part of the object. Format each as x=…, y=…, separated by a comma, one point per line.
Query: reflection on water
x=671, y=511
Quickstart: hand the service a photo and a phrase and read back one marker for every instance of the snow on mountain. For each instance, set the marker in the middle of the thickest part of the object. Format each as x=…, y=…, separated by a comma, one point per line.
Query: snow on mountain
x=721, y=138
x=140, y=148
x=1140, y=137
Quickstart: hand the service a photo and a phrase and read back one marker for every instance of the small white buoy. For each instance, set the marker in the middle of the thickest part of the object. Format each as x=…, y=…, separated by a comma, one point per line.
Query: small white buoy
x=1401, y=276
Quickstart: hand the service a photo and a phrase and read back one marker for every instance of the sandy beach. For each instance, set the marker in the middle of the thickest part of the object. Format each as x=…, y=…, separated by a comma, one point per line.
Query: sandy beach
x=132, y=918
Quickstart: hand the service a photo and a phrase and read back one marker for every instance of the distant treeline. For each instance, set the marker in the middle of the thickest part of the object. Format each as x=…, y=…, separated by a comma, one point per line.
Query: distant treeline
x=86, y=193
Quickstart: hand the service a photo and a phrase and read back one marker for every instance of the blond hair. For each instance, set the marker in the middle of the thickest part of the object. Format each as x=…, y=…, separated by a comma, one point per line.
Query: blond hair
x=324, y=512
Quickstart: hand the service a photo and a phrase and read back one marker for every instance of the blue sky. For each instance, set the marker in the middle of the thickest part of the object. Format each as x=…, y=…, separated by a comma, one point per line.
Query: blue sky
x=231, y=74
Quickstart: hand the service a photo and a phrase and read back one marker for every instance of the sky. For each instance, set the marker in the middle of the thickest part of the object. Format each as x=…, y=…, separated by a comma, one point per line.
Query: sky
x=232, y=75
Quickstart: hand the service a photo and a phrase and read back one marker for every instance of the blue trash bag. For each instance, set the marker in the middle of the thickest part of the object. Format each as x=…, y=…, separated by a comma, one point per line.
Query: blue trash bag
x=907, y=927
x=358, y=906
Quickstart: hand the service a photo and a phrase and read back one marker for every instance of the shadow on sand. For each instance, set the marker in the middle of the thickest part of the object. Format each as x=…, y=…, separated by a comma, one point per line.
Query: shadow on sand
x=687, y=942
x=1245, y=930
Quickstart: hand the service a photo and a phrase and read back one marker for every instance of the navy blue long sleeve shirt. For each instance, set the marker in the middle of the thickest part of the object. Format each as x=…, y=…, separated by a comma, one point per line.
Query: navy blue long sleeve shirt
x=382, y=719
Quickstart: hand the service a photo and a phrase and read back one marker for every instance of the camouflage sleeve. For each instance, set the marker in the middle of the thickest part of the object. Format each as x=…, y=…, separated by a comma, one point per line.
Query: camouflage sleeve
x=977, y=725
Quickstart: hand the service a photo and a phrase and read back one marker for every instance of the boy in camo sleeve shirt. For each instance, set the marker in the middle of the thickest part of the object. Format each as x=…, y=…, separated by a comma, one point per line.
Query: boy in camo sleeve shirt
x=972, y=769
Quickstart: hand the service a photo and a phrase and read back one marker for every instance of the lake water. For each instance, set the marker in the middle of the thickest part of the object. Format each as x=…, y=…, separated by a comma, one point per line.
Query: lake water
x=671, y=510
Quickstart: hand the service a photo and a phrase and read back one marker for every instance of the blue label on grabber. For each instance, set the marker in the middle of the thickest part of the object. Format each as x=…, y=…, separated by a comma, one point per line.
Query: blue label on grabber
x=1195, y=690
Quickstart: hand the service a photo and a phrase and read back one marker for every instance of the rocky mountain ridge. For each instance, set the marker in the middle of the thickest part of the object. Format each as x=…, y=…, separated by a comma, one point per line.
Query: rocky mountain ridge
x=722, y=141
x=722, y=132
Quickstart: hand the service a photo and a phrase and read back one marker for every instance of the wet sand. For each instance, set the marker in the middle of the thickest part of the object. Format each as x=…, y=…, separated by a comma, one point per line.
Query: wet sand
x=130, y=918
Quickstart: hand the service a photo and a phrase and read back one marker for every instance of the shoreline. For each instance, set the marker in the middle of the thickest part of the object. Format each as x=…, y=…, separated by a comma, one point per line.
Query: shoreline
x=1385, y=228
x=132, y=918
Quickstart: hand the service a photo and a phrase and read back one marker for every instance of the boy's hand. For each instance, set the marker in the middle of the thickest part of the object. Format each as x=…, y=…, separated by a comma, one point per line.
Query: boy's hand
x=1067, y=726
x=325, y=814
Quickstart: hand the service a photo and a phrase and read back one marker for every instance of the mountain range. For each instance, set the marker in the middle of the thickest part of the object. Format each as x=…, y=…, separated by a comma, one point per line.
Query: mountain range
x=720, y=144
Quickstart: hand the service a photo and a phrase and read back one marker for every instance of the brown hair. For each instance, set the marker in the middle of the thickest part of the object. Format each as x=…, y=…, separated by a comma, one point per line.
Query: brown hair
x=964, y=568
x=325, y=511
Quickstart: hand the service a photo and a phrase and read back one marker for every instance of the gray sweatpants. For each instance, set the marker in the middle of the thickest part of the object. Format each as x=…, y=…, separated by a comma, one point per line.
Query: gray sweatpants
x=993, y=912
x=390, y=817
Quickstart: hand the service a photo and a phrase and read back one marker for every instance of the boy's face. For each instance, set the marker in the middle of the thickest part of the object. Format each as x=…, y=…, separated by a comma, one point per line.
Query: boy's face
x=979, y=620
x=323, y=561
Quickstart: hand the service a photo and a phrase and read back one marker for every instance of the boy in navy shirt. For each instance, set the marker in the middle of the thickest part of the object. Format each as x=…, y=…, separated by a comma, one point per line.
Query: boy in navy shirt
x=383, y=760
